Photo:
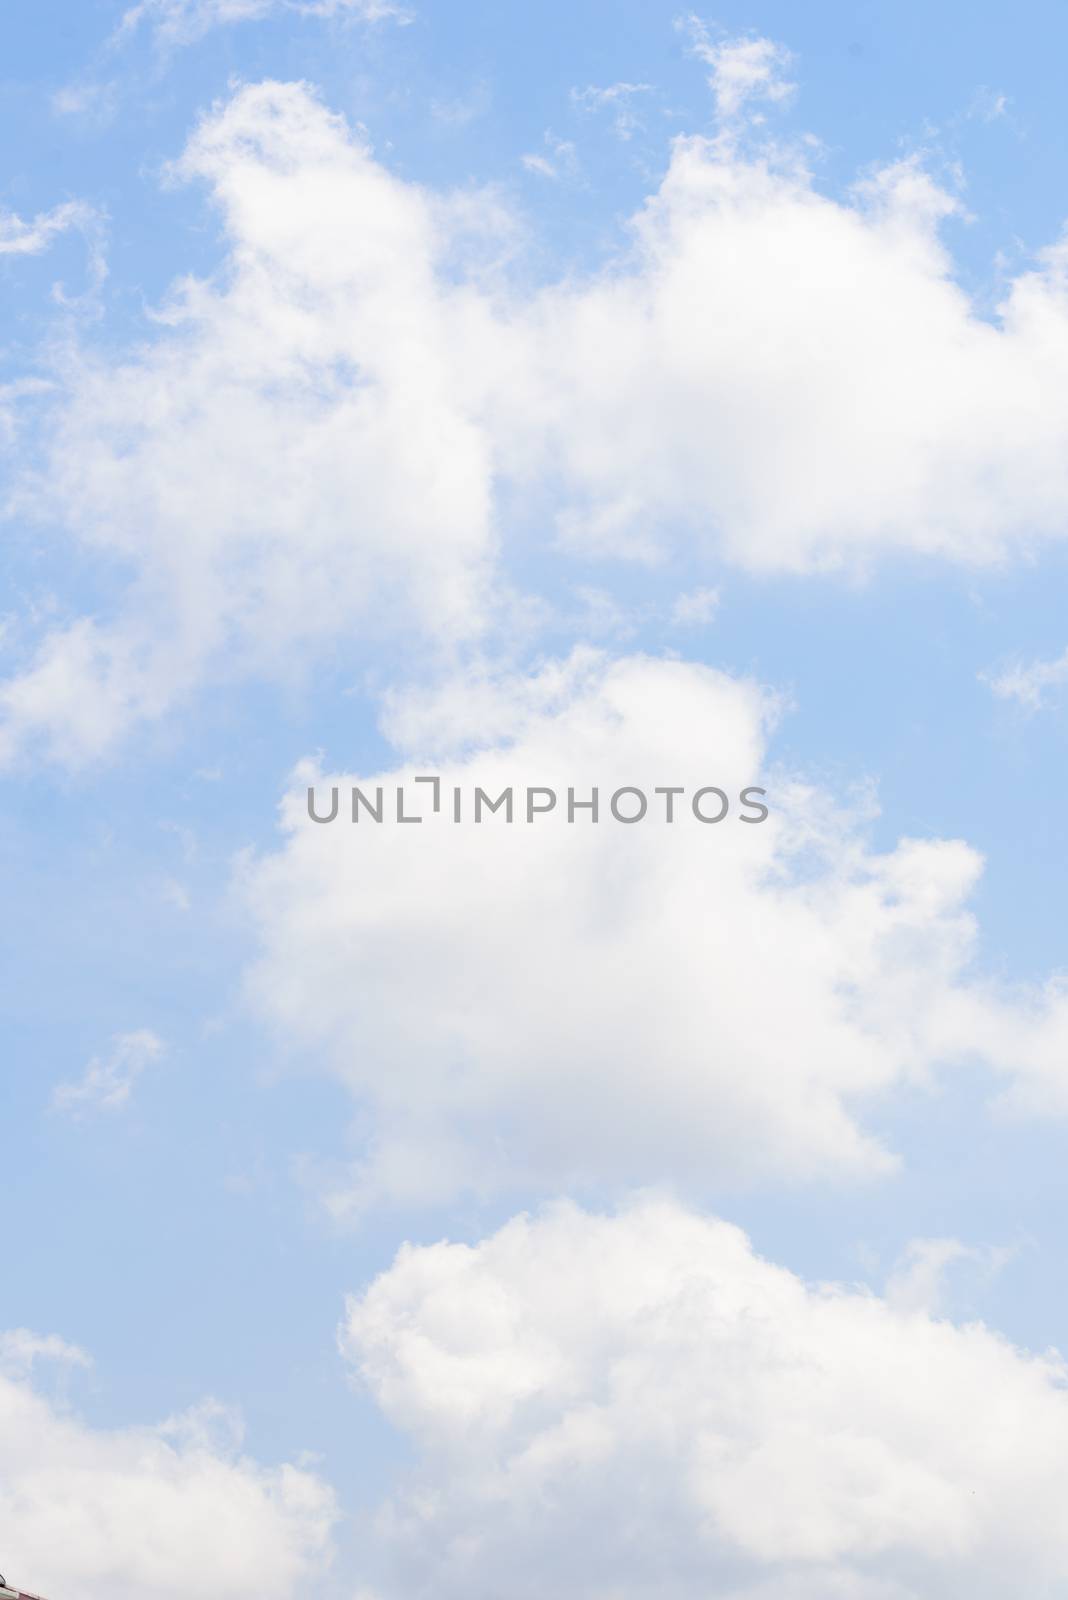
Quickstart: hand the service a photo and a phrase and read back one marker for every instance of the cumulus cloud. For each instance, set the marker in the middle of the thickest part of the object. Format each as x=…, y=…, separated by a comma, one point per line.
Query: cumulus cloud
x=107, y=1084
x=794, y=382
x=183, y=22
x=639, y=1404
x=565, y=1003
x=137, y=1513
x=287, y=461
x=326, y=440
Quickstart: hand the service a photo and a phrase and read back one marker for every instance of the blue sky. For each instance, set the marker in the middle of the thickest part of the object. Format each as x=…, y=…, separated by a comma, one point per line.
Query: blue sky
x=183, y=1236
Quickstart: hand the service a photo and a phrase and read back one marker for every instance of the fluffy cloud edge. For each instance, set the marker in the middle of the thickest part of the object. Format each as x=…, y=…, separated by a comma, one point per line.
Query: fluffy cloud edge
x=637, y=1402
x=131, y=1513
x=767, y=376
x=782, y=983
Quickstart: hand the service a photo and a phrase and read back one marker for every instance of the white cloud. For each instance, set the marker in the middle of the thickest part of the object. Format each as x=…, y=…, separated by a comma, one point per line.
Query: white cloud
x=91, y=102
x=12, y=396
x=20, y=1348
x=106, y=1085
x=1024, y=1033
x=741, y=69
x=559, y=161
x=183, y=22
x=143, y=1513
x=618, y=99
x=565, y=1004
x=538, y=164
x=695, y=608
x=989, y=105
x=175, y=894
x=1029, y=684
x=288, y=461
x=460, y=110
x=314, y=446
x=793, y=382
x=21, y=238
x=919, y=1279
x=638, y=1404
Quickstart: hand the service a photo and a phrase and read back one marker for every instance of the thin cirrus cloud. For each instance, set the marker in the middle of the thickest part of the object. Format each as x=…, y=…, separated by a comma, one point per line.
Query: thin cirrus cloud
x=638, y=1404
x=184, y=22
x=136, y=1513
x=560, y=1005
x=316, y=443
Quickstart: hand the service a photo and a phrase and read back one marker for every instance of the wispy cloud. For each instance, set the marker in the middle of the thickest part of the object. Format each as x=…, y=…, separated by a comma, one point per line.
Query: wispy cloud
x=21, y=238
x=695, y=607
x=741, y=69
x=461, y=110
x=92, y=103
x=1029, y=684
x=558, y=160
x=989, y=105
x=918, y=1280
x=182, y=22
x=617, y=98
x=107, y=1083
x=20, y=1349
